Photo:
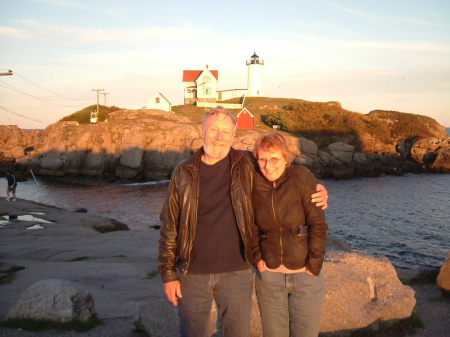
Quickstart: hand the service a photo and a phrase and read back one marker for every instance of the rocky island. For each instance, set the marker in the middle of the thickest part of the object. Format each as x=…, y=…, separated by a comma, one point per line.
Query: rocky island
x=148, y=144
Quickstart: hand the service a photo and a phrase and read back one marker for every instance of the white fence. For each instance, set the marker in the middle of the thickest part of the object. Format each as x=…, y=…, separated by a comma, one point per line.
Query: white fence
x=213, y=105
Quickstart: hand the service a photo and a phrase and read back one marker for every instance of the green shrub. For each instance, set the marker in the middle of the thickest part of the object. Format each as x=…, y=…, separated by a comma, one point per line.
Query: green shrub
x=83, y=116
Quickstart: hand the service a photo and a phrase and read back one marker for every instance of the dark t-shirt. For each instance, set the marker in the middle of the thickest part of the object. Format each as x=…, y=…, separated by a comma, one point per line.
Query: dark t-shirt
x=218, y=247
x=11, y=180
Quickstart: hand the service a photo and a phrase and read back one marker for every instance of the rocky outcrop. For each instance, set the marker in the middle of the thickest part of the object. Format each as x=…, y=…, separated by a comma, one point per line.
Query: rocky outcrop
x=443, y=278
x=148, y=144
x=361, y=291
x=53, y=300
x=433, y=152
x=55, y=215
x=131, y=145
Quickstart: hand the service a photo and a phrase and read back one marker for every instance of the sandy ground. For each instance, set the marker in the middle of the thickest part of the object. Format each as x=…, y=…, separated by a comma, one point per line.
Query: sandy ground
x=114, y=270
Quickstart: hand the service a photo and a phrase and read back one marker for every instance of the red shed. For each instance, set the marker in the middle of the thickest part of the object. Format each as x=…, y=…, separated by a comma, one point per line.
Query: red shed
x=245, y=119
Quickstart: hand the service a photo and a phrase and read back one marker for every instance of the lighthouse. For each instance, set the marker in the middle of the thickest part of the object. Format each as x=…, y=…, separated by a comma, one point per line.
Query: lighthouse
x=254, y=85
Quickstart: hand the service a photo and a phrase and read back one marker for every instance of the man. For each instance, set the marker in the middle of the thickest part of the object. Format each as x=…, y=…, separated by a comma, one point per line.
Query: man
x=11, y=188
x=208, y=233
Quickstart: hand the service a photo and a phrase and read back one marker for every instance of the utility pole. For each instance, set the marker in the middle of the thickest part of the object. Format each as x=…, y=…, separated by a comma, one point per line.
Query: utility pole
x=104, y=96
x=9, y=72
x=98, y=94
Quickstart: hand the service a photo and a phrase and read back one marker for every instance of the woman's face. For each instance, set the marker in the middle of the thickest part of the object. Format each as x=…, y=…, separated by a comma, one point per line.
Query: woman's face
x=271, y=163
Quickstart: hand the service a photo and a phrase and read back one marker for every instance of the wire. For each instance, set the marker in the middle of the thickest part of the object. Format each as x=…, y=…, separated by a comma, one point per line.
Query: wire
x=31, y=119
x=50, y=91
x=10, y=87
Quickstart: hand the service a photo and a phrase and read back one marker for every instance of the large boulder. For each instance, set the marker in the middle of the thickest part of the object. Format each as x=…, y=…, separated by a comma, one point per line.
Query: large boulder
x=54, y=300
x=443, y=278
x=308, y=146
x=342, y=151
x=360, y=292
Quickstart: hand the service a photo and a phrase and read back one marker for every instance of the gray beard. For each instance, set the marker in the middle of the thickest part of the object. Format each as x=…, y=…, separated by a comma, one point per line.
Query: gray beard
x=216, y=153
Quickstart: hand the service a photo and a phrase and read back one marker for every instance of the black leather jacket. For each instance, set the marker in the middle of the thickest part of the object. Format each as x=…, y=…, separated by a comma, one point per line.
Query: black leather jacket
x=292, y=229
x=179, y=213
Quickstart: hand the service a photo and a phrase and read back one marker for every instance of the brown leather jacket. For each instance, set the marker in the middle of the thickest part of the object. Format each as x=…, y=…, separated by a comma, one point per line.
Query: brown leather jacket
x=179, y=213
x=282, y=208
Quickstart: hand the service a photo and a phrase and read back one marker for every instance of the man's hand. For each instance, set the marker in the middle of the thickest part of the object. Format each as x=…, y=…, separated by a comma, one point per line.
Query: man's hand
x=320, y=198
x=261, y=266
x=173, y=291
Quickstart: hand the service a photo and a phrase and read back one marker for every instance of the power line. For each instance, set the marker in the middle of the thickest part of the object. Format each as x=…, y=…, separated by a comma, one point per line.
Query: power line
x=48, y=90
x=31, y=119
x=10, y=87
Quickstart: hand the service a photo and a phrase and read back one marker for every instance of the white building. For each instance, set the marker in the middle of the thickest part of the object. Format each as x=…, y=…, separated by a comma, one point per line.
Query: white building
x=201, y=86
x=158, y=101
x=254, y=79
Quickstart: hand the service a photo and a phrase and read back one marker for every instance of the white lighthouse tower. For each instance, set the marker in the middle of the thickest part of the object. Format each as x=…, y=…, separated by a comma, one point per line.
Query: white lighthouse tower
x=254, y=82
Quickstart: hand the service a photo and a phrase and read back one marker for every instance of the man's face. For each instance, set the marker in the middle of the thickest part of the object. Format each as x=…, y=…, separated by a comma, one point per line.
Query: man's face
x=218, y=135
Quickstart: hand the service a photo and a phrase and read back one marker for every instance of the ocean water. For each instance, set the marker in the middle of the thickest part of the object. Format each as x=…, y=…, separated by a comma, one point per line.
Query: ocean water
x=406, y=218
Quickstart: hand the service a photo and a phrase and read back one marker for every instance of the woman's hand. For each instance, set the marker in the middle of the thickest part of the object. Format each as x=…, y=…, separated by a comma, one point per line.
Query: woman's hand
x=320, y=198
x=261, y=266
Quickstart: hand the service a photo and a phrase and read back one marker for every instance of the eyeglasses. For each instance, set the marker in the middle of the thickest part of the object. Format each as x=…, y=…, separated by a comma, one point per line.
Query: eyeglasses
x=272, y=161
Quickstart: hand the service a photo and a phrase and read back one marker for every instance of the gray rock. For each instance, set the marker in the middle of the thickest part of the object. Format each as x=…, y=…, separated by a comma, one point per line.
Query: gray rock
x=360, y=157
x=443, y=279
x=53, y=300
x=125, y=172
x=343, y=156
x=92, y=164
x=340, y=146
x=362, y=290
x=303, y=160
x=132, y=158
x=308, y=146
x=342, y=151
x=51, y=162
x=158, y=318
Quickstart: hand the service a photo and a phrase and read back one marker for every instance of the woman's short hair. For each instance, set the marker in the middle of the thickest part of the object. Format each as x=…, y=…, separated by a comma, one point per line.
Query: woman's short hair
x=273, y=140
x=216, y=111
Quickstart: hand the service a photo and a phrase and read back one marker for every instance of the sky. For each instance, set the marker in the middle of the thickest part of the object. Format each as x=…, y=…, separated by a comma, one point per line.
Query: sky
x=368, y=55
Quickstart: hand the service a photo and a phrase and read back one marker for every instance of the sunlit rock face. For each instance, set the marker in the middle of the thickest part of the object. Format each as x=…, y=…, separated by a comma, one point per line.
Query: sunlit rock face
x=149, y=144
x=443, y=279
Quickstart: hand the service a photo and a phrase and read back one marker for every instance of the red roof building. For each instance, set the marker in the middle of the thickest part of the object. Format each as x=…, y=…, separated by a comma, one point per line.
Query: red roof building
x=245, y=119
x=192, y=75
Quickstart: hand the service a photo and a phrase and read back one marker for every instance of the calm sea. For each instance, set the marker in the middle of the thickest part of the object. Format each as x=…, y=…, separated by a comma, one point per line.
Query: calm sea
x=405, y=218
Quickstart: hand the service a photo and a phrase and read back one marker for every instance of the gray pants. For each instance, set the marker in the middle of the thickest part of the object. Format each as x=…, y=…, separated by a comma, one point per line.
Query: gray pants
x=233, y=295
x=290, y=304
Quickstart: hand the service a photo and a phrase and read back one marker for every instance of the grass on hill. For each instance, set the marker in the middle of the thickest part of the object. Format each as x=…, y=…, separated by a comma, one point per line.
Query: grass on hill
x=83, y=116
x=322, y=122
x=327, y=122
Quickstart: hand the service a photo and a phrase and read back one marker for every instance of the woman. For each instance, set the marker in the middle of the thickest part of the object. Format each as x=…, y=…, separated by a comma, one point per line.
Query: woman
x=292, y=232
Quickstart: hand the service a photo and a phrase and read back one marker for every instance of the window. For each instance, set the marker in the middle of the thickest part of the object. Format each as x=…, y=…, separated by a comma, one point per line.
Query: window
x=157, y=100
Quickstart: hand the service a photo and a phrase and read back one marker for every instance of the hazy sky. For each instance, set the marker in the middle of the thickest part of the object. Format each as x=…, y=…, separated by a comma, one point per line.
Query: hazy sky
x=383, y=54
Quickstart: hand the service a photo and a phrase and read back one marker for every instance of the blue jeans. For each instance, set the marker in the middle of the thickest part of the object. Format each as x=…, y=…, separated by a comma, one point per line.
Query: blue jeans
x=232, y=292
x=290, y=304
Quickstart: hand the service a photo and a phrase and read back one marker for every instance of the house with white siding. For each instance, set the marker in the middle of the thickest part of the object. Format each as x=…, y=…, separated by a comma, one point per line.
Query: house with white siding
x=158, y=101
